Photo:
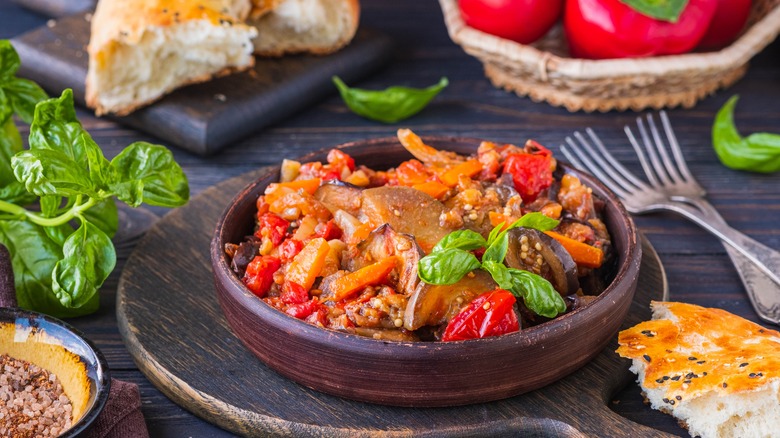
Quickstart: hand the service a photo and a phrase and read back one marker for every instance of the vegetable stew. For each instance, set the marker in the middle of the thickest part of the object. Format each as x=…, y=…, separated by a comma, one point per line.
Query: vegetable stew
x=442, y=247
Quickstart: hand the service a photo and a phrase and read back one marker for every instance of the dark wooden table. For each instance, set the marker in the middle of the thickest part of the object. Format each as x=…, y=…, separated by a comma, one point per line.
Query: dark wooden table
x=696, y=264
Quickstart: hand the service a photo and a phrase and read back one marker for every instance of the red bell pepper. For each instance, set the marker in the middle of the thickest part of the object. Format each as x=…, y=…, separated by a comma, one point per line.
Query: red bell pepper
x=600, y=29
x=729, y=20
x=490, y=314
x=272, y=226
x=259, y=275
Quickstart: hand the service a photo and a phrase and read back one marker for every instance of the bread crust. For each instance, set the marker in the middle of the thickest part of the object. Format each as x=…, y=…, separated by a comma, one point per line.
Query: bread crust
x=124, y=22
x=353, y=8
x=715, y=371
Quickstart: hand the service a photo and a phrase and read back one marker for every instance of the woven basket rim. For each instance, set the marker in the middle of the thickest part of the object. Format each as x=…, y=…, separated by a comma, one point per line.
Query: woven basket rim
x=475, y=42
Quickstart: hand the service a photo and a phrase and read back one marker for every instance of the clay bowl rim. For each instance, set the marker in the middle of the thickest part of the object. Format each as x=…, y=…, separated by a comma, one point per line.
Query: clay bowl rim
x=102, y=375
x=526, y=336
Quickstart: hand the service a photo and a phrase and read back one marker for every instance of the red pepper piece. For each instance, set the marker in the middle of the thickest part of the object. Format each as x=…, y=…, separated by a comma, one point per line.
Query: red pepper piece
x=531, y=174
x=328, y=230
x=293, y=293
x=304, y=310
x=259, y=275
x=490, y=314
x=289, y=249
x=272, y=226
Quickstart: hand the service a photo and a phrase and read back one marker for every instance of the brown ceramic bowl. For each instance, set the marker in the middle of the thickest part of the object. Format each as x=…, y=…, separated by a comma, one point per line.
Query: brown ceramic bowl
x=421, y=373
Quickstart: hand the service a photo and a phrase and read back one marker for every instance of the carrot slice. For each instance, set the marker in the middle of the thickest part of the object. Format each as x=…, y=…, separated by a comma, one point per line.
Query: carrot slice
x=582, y=253
x=468, y=168
x=497, y=218
x=308, y=185
x=351, y=283
x=433, y=188
x=306, y=266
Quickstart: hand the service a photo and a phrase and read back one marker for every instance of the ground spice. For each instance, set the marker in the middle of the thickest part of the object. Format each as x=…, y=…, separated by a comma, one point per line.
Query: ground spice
x=32, y=401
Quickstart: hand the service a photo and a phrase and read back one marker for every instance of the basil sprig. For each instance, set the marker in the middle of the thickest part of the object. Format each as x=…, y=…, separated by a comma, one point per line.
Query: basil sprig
x=666, y=10
x=391, y=104
x=61, y=251
x=451, y=259
x=758, y=152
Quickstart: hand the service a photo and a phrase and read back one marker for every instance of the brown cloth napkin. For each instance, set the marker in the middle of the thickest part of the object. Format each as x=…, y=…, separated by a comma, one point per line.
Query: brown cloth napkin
x=121, y=417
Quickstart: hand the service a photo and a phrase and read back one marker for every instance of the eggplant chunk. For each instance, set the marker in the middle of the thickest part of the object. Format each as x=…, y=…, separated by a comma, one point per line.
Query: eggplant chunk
x=539, y=253
x=432, y=305
x=384, y=242
x=337, y=195
x=408, y=211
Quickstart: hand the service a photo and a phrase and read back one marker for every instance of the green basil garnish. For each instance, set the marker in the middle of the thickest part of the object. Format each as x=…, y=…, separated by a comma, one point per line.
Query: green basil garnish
x=450, y=260
x=391, y=104
x=58, y=268
x=759, y=152
x=666, y=10
x=461, y=239
x=447, y=266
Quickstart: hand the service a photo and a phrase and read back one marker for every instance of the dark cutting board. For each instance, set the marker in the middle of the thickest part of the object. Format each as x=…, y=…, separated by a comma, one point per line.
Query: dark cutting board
x=204, y=118
x=173, y=327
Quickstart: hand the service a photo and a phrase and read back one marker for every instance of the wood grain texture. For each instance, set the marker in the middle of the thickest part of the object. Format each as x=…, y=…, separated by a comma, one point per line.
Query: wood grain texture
x=165, y=299
x=204, y=118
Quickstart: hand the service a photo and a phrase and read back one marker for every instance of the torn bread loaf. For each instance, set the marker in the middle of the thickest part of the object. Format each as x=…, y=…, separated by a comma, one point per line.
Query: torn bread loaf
x=139, y=50
x=719, y=374
x=303, y=26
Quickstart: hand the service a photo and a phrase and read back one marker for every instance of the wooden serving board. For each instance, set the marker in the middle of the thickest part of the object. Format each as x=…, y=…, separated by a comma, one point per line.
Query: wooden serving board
x=204, y=118
x=173, y=327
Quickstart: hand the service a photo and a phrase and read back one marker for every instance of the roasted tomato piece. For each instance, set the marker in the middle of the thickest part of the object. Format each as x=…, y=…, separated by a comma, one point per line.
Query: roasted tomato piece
x=490, y=314
x=289, y=249
x=293, y=293
x=531, y=172
x=339, y=160
x=304, y=310
x=259, y=275
x=327, y=230
x=272, y=226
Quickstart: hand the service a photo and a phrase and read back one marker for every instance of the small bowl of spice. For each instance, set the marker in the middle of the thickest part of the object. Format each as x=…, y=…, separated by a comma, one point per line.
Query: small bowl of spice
x=53, y=381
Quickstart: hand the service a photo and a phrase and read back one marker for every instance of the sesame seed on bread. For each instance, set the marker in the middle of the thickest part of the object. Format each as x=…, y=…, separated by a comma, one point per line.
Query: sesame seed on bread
x=718, y=373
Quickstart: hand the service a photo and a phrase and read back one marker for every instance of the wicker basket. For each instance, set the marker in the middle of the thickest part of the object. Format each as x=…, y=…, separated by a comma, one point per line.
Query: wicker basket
x=544, y=70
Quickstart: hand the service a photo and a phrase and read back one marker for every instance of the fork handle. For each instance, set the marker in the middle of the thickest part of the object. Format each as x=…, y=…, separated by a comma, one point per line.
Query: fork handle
x=764, y=258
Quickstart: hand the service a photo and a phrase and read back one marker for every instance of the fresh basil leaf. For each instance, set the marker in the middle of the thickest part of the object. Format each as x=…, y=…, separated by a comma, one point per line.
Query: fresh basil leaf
x=15, y=193
x=52, y=172
x=390, y=105
x=59, y=234
x=33, y=256
x=535, y=220
x=497, y=250
x=88, y=259
x=50, y=204
x=500, y=274
x=10, y=145
x=144, y=172
x=6, y=109
x=538, y=294
x=666, y=10
x=447, y=266
x=462, y=239
x=9, y=61
x=759, y=152
x=23, y=95
x=494, y=233
x=104, y=215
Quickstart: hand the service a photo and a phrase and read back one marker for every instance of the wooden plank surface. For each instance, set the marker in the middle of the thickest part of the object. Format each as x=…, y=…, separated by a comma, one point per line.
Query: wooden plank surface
x=697, y=267
x=165, y=301
x=204, y=118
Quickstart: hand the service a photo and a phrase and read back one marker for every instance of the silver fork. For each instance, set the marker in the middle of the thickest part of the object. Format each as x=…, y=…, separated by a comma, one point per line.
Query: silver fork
x=671, y=187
